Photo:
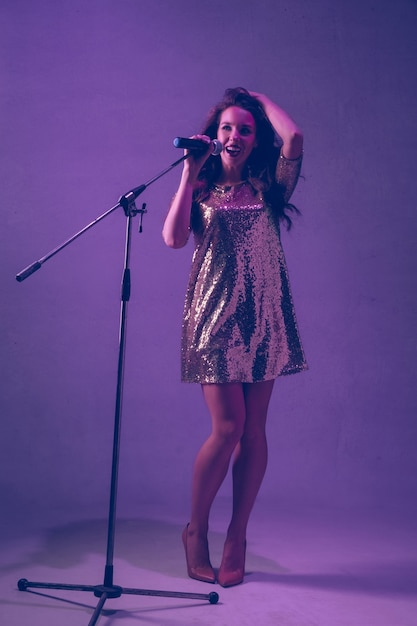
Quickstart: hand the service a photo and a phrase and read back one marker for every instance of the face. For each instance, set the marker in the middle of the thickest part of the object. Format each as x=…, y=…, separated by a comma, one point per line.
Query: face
x=237, y=133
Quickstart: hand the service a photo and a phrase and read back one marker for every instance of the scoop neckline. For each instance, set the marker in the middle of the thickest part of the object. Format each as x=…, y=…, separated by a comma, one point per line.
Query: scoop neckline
x=228, y=187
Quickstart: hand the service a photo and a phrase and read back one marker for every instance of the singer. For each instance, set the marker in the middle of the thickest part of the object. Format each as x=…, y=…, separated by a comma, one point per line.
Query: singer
x=239, y=330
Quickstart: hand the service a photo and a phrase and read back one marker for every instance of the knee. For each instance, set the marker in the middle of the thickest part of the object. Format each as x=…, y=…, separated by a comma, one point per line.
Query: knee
x=254, y=434
x=230, y=432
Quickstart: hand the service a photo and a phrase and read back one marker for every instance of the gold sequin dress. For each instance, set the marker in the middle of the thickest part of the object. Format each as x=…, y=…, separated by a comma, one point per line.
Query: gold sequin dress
x=239, y=323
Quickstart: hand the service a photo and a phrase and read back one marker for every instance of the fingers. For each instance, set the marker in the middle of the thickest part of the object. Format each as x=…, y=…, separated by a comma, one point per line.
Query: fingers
x=205, y=138
x=199, y=156
x=260, y=97
x=196, y=158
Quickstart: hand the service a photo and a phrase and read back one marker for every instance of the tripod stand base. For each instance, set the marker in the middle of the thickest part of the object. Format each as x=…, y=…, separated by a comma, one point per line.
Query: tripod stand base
x=114, y=591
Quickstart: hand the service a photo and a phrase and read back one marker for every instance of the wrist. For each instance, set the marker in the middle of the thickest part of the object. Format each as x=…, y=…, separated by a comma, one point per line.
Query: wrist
x=187, y=180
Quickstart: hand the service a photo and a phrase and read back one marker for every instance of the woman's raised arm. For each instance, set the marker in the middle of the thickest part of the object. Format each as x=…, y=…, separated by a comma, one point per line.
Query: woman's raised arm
x=284, y=126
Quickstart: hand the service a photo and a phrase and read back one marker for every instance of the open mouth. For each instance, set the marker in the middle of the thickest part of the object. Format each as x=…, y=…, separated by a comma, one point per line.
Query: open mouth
x=233, y=150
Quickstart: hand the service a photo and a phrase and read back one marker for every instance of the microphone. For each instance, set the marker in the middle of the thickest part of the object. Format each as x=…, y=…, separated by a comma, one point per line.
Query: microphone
x=215, y=145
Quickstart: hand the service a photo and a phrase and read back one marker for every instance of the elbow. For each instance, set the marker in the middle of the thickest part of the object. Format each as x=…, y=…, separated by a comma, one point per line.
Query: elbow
x=298, y=138
x=173, y=242
x=293, y=146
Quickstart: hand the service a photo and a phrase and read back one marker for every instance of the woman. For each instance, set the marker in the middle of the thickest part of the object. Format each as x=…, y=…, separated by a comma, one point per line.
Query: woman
x=239, y=329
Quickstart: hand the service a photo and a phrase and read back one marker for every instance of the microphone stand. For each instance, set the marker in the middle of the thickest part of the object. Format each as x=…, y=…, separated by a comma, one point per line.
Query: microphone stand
x=108, y=589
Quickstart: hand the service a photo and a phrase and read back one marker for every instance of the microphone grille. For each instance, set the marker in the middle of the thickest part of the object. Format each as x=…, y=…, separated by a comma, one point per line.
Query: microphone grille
x=217, y=147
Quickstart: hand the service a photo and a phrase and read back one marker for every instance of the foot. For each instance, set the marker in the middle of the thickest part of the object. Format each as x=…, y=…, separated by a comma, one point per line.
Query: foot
x=232, y=568
x=197, y=557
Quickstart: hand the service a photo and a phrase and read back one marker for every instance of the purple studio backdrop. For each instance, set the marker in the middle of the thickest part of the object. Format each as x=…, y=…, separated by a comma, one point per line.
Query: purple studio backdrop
x=93, y=94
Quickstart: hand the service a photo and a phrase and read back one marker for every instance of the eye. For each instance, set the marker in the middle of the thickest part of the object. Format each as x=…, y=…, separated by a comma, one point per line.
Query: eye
x=246, y=131
x=226, y=127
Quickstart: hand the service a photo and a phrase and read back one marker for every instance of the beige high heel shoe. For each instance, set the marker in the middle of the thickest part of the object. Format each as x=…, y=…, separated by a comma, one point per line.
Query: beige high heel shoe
x=205, y=573
x=232, y=568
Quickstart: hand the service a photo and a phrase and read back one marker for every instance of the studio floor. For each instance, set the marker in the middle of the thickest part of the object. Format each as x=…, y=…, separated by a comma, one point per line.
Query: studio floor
x=304, y=568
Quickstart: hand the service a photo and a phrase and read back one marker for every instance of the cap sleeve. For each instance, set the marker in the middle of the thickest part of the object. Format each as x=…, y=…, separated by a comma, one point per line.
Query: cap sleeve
x=287, y=173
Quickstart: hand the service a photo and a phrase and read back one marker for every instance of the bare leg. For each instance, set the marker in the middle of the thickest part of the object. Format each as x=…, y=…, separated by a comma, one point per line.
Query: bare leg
x=226, y=403
x=251, y=456
x=248, y=472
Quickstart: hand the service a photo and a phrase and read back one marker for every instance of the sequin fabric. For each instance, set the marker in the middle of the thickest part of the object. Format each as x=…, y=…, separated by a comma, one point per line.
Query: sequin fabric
x=239, y=323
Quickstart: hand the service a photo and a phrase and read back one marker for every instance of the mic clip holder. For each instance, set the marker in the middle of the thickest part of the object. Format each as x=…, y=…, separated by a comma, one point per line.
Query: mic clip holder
x=127, y=201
